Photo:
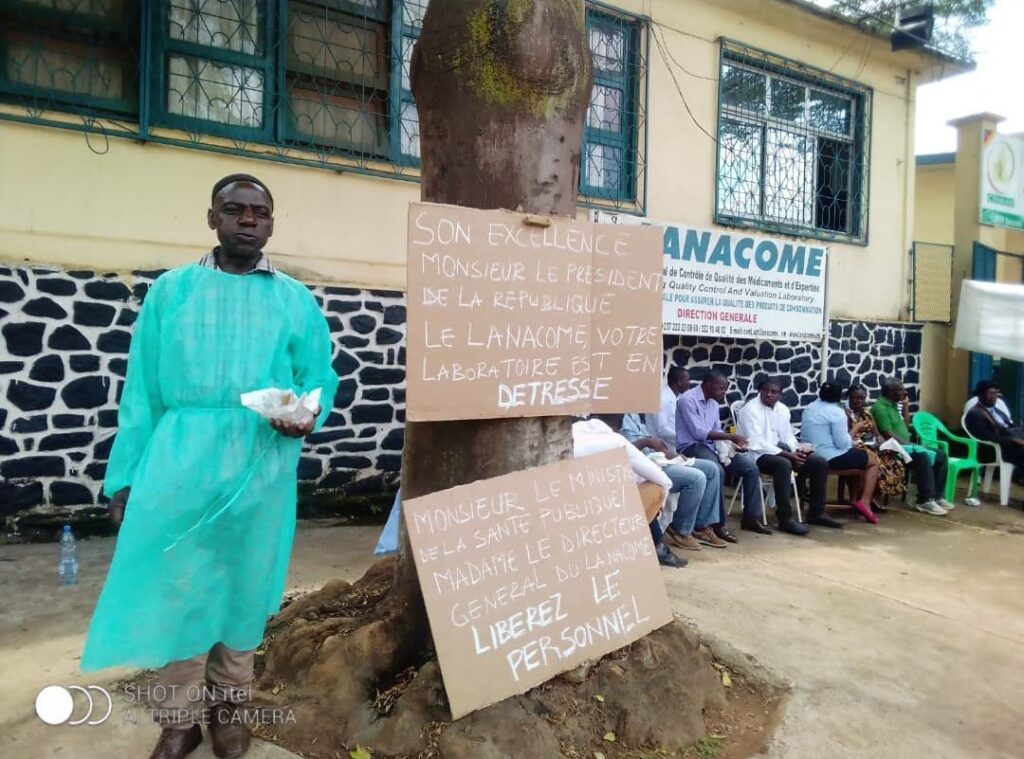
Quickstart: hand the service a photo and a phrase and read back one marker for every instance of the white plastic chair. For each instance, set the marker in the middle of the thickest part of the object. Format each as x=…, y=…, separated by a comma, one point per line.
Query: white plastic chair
x=768, y=497
x=1005, y=467
x=734, y=412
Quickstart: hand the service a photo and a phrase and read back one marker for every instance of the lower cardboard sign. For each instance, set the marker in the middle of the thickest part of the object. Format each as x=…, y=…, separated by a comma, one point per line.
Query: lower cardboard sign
x=528, y=575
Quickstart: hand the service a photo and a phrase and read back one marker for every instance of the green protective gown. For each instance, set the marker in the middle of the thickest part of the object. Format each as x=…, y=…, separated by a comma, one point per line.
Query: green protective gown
x=203, y=551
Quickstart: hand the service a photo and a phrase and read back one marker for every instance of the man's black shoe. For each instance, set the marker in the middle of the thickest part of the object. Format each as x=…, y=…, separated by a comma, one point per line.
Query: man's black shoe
x=668, y=559
x=723, y=532
x=794, y=527
x=753, y=525
x=821, y=520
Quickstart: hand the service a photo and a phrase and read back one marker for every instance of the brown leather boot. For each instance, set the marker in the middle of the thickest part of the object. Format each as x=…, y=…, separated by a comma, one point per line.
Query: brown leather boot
x=228, y=732
x=176, y=743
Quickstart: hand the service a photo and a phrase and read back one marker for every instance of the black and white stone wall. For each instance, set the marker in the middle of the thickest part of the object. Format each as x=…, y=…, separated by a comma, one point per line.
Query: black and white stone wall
x=62, y=365
x=63, y=360
x=863, y=353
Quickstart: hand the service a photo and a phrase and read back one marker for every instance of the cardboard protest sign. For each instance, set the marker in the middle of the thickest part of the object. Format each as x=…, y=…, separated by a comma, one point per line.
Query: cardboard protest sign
x=528, y=575
x=512, y=315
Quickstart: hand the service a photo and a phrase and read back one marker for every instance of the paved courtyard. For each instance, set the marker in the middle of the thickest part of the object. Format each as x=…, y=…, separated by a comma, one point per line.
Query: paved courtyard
x=902, y=640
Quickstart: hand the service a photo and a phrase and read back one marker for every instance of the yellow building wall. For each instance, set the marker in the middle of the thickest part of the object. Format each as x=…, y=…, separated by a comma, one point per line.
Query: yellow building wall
x=934, y=208
x=143, y=206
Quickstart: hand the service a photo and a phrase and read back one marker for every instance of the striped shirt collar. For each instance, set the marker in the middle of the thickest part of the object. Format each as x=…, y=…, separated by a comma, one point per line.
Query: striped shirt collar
x=263, y=266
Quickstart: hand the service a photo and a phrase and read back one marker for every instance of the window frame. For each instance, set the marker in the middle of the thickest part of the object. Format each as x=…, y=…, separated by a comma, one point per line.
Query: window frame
x=75, y=29
x=398, y=96
x=809, y=77
x=162, y=47
x=146, y=117
x=287, y=134
x=627, y=140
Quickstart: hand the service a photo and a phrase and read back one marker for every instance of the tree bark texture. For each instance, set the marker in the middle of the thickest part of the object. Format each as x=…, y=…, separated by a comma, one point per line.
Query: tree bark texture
x=502, y=88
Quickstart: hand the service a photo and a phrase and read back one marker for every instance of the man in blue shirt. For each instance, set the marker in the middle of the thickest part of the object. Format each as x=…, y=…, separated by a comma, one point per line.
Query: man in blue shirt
x=698, y=428
x=696, y=481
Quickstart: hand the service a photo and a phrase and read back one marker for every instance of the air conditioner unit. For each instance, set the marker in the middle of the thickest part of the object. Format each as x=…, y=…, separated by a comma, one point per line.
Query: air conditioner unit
x=913, y=28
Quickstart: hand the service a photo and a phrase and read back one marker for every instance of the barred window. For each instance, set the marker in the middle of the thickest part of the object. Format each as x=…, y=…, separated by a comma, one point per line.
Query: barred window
x=792, y=148
x=608, y=164
x=409, y=27
x=80, y=55
x=317, y=82
x=216, y=65
x=337, y=76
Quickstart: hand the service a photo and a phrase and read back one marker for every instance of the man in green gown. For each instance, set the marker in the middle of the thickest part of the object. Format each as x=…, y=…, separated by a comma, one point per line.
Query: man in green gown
x=205, y=487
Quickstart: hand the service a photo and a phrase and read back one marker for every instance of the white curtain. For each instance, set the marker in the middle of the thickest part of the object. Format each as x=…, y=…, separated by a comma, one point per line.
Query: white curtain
x=991, y=319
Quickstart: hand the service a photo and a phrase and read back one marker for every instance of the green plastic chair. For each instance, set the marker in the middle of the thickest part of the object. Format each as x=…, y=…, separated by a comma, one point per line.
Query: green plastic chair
x=933, y=434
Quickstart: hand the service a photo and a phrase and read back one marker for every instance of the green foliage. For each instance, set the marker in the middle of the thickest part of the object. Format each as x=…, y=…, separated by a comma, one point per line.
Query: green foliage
x=710, y=747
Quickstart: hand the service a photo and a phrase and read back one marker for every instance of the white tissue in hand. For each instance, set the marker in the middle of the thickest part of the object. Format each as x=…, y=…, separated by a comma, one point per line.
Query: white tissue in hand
x=283, y=405
x=659, y=458
x=892, y=444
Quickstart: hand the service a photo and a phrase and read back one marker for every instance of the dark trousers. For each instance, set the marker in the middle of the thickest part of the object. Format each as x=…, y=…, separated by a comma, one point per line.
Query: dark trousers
x=742, y=467
x=813, y=474
x=1013, y=453
x=930, y=478
x=656, y=534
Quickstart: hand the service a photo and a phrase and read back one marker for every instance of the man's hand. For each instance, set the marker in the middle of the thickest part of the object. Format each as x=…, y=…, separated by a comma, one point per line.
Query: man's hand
x=291, y=430
x=117, y=506
x=797, y=458
x=656, y=444
x=739, y=441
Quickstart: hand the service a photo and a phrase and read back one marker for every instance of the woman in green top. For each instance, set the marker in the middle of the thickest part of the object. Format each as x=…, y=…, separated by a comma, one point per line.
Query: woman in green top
x=929, y=467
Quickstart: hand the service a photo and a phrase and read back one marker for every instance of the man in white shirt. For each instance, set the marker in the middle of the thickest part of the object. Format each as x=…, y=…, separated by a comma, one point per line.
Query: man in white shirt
x=663, y=424
x=765, y=423
x=598, y=434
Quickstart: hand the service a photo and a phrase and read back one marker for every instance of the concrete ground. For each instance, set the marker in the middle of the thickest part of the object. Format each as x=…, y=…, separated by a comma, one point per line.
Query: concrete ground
x=901, y=640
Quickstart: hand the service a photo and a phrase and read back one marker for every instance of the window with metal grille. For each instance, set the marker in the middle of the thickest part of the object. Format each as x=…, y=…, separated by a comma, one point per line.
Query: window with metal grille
x=792, y=147
x=216, y=63
x=336, y=76
x=316, y=82
x=80, y=55
x=609, y=160
x=329, y=77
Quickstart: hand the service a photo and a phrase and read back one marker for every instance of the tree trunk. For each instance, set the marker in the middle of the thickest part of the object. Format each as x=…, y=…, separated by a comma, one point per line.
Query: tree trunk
x=502, y=88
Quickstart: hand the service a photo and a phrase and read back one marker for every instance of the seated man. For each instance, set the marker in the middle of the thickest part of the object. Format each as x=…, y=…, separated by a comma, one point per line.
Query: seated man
x=986, y=422
x=595, y=435
x=663, y=424
x=764, y=422
x=695, y=480
x=698, y=427
x=929, y=467
x=999, y=406
x=826, y=426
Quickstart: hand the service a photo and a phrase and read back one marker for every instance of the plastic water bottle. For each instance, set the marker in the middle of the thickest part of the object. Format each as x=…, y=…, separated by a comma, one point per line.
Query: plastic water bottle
x=67, y=569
